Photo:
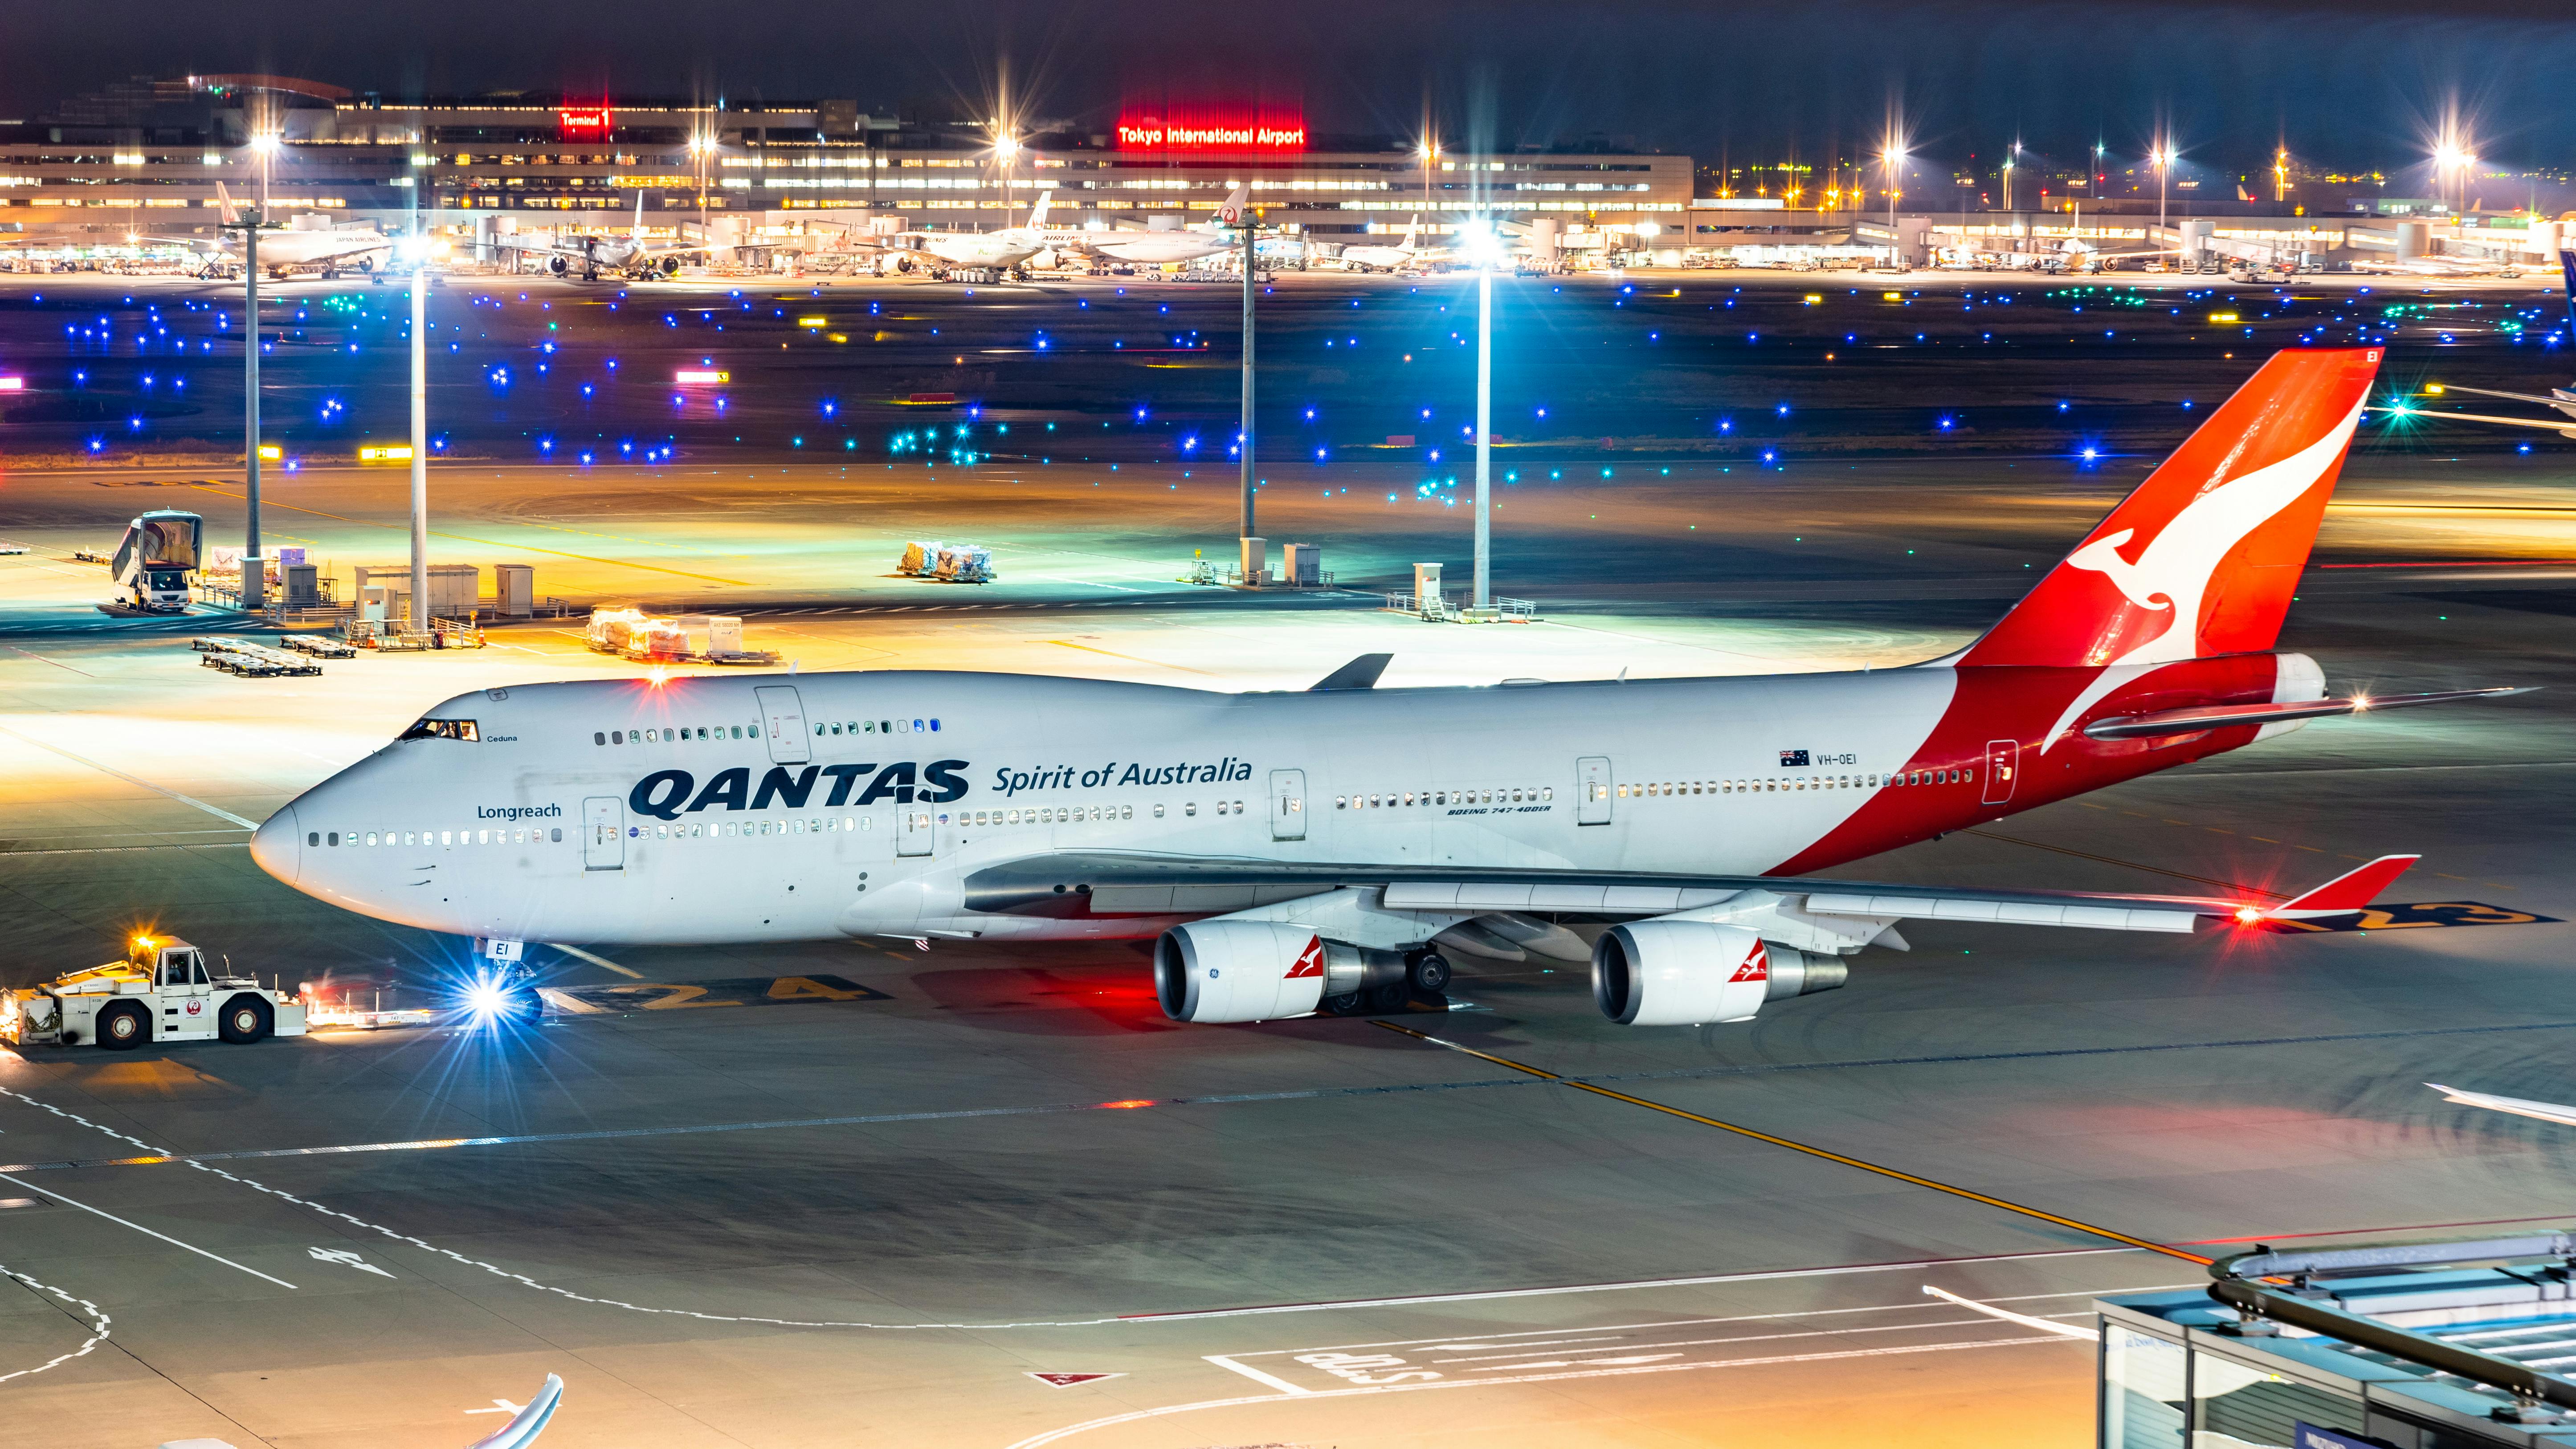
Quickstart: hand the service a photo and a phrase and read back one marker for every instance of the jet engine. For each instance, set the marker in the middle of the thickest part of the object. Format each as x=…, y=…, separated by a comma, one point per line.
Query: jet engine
x=1680, y=973
x=1232, y=971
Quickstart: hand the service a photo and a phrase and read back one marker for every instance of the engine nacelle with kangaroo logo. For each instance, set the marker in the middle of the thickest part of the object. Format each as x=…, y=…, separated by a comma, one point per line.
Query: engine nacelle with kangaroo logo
x=1681, y=973
x=1239, y=971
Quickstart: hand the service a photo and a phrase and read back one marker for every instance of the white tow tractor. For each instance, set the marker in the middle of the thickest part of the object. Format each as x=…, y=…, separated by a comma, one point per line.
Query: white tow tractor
x=161, y=991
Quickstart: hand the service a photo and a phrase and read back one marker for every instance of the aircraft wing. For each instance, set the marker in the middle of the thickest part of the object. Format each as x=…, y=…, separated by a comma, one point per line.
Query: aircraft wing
x=2555, y=425
x=2529, y=397
x=1118, y=883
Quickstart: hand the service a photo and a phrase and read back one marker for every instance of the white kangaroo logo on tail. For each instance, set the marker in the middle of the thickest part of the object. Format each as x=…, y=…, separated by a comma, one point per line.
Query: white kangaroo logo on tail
x=2174, y=570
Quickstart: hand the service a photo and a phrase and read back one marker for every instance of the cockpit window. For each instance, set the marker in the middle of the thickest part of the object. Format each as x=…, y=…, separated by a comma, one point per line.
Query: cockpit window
x=441, y=729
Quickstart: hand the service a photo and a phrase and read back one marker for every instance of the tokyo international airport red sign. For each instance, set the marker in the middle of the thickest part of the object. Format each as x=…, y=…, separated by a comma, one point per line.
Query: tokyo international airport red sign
x=1210, y=128
x=582, y=120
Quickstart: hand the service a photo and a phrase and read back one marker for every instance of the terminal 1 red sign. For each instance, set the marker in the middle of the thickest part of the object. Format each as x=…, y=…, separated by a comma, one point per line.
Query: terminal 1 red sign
x=1210, y=128
x=582, y=120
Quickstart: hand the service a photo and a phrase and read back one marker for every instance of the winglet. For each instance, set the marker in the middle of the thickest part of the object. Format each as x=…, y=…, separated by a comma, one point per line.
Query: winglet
x=1360, y=673
x=2350, y=891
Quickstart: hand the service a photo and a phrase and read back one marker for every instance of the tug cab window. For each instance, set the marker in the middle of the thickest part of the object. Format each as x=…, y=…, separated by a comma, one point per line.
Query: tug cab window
x=441, y=729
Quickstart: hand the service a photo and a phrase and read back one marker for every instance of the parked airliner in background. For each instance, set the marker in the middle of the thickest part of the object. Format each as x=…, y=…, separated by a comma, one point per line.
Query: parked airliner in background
x=1158, y=248
x=940, y=251
x=1306, y=850
x=2560, y=400
x=1379, y=257
x=312, y=242
x=631, y=255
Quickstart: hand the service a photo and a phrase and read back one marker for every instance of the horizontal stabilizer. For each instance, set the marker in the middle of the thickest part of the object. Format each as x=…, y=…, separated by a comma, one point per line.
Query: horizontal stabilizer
x=1360, y=673
x=2222, y=716
x=2350, y=891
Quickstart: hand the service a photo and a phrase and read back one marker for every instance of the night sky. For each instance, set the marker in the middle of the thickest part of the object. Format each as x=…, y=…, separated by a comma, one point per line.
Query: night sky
x=2358, y=84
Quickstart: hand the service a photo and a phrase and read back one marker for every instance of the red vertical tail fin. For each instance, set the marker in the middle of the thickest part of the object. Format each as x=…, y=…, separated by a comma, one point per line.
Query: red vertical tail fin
x=2203, y=557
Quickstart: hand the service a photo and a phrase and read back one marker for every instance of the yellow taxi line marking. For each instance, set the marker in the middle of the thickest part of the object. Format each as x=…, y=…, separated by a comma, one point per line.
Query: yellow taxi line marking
x=1114, y=654
x=1952, y=1189
x=599, y=961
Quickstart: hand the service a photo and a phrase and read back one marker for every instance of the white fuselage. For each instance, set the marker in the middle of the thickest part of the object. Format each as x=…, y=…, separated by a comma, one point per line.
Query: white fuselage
x=980, y=248
x=1155, y=248
x=774, y=808
x=282, y=249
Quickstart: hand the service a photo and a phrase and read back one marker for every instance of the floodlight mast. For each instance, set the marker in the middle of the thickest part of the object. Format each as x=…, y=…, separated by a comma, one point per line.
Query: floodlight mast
x=1485, y=429
x=1250, y=565
x=419, y=410
x=254, y=590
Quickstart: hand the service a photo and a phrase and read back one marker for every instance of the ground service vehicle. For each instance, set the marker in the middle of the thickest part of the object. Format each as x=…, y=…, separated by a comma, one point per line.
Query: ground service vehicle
x=161, y=991
x=153, y=562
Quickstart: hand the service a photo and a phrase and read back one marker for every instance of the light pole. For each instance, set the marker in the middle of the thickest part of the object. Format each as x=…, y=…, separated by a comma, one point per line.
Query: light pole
x=419, y=410
x=1252, y=552
x=2162, y=155
x=1891, y=158
x=701, y=147
x=1006, y=148
x=254, y=591
x=1485, y=430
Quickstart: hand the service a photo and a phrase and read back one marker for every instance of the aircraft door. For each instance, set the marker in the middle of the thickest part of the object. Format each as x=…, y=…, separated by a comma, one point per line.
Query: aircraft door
x=2003, y=761
x=603, y=841
x=1592, y=783
x=1287, y=804
x=917, y=830
x=782, y=713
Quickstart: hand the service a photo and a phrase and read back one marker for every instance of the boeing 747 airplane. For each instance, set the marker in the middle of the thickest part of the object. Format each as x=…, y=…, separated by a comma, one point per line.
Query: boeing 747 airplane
x=1303, y=851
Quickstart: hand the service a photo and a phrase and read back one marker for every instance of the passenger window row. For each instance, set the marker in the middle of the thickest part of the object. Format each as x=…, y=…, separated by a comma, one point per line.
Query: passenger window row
x=1044, y=815
x=519, y=835
x=674, y=734
x=877, y=727
x=1438, y=797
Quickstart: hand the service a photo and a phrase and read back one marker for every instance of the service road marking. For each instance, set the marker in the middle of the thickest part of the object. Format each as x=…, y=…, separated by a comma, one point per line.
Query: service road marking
x=138, y=1227
x=219, y=814
x=98, y=1322
x=1037, y=1441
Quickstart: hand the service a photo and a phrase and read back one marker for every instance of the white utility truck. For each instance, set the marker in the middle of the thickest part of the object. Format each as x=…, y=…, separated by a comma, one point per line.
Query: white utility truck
x=161, y=991
x=152, y=564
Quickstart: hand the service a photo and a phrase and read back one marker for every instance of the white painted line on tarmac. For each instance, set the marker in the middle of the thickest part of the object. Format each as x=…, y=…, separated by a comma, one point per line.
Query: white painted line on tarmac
x=218, y=813
x=597, y=960
x=1037, y=1441
x=1488, y=1295
x=1254, y=1374
x=98, y=1321
x=138, y=1227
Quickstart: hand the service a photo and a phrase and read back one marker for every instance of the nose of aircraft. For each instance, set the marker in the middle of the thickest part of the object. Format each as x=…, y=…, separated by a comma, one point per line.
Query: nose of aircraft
x=278, y=846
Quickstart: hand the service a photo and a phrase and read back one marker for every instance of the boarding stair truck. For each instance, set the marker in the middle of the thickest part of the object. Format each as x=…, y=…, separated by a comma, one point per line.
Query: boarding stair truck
x=152, y=565
x=161, y=991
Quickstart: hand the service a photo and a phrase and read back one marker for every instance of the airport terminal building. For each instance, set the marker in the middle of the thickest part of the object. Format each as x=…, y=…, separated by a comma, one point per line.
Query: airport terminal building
x=149, y=157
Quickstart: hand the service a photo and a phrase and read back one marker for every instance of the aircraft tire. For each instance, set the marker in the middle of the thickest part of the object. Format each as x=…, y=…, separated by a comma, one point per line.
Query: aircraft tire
x=1386, y=1000
x=1427, y=972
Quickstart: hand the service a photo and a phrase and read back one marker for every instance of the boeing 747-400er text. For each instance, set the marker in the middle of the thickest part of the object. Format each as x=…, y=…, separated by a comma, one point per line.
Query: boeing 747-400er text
x=1309, y=850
